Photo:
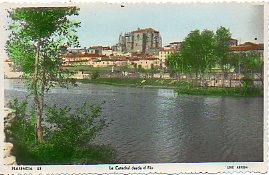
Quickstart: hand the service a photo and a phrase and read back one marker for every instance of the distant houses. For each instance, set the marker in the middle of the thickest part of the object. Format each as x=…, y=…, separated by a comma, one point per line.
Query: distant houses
x=137, y=53
x=141, y=48
x=248, y=47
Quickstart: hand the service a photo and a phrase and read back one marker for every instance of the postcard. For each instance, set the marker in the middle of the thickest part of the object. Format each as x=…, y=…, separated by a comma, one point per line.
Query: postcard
x=134, y=88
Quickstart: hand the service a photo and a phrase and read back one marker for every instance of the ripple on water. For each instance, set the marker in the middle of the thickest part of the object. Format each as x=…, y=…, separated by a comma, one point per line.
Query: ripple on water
x=155, y=125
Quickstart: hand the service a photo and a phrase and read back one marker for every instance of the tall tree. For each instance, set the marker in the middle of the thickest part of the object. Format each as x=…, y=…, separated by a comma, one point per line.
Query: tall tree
x=252, y=64
x=197, y=53
x=175, y=62
x=207, y=51
x=37, y=35
x=191, y=52
x=222, y=50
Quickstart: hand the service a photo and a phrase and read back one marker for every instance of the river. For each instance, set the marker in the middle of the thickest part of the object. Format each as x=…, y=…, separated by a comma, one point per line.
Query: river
x=156, y=125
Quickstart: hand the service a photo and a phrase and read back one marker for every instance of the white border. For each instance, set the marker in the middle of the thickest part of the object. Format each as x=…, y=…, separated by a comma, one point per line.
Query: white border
x=165, y=168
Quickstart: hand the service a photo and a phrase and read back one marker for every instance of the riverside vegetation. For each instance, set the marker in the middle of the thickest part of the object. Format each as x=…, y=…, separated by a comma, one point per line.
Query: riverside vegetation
x=182, y=87
x=49, y=134
x=57, y=135
x=202, y=53
x=67, y=135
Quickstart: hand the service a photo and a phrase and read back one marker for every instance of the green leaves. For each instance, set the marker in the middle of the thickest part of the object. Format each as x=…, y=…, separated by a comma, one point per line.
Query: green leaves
x=222, y=48
x=69, y=129
x=67, y=132
x=201, y=51
x=197, y=53
x=37, y=35
x=41, y=22
x=51, y=28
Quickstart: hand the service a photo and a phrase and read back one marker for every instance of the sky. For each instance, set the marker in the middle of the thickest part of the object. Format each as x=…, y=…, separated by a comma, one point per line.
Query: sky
x=102, y=23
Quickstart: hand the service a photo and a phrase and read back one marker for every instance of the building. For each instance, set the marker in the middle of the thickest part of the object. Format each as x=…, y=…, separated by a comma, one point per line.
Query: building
x=163, y=54
x=233, y=42
x=86, y=59
x=145, y=63
x=75, y=50
x=10, y=71
x=145, y=40
x=104, y=50
x=173, y=45
x=248, y=47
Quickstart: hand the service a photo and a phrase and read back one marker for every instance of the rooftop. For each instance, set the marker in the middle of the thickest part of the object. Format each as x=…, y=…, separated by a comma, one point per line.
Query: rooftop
x=82, y=55
x=168, y=50
x=247, y=46
x=145, y=30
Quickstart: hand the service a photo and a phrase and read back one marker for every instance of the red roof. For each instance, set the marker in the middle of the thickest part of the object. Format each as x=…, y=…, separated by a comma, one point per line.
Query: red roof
x=7, y=60
x=82, y=55
x=138, y=59
x=248, y=46
x=145, y=30
x=168, y=50
x=175, y=42
x=232, y=39
x=78, y=61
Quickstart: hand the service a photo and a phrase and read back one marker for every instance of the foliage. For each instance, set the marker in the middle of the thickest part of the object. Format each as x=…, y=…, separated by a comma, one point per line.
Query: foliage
x=95, y=75
x=47, y=26
x=175, y=62
x=196, y=54
x=248, y=63
x=150, y=82
x=67, y=135
x=222, y=47
x=23, y=126
x=221, y=91
x=37, y=36
x=203, y=52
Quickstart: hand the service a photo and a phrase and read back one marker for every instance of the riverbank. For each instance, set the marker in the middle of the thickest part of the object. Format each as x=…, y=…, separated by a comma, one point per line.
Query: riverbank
x=136, y=82
x=182, y=87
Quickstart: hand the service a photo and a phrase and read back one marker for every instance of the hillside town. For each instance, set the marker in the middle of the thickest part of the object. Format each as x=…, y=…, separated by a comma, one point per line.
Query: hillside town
x=139, y=49
x=84, y=86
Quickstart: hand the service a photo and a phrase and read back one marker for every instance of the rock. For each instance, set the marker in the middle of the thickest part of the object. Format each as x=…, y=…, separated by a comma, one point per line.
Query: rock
x=7, y=153
x=8, y=146
x=7, y=125
x=10, y=160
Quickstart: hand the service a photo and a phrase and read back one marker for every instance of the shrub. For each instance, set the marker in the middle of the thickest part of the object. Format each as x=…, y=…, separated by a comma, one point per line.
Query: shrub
x=67, y=134
x=95, y=75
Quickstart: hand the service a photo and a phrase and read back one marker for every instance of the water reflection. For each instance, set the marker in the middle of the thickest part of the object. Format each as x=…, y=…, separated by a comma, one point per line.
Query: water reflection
x=156, y=125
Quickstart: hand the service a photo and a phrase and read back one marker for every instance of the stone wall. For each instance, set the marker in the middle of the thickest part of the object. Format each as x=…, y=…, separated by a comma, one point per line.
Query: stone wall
x=9, y=159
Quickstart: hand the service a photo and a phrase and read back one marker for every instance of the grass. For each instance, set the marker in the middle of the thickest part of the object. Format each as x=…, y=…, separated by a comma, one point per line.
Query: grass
x=182, y=87
x=221, y=91
x=137, y=82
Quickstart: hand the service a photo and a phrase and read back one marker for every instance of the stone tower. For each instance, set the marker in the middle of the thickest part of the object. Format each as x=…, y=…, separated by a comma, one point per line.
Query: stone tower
x=145, y=40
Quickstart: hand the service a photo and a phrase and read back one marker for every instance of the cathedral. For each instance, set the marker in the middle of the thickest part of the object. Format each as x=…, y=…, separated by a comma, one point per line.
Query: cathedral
x=147, y=41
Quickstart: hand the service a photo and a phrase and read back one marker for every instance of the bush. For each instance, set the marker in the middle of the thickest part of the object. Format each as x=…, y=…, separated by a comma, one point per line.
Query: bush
x=95, y=75
x=220, y=91
x=67, y=134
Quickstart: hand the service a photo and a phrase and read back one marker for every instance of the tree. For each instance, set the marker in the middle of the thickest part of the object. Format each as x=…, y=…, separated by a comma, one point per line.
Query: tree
x=37, y=35
x=174, y=62
x=222, y=50
x=207, y=51
x=196, y=55
x=191, y=52
x=252, y=64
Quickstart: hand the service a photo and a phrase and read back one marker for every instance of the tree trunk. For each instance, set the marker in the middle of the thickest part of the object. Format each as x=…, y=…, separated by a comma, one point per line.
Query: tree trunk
x=223, y=77
x=36, y=97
